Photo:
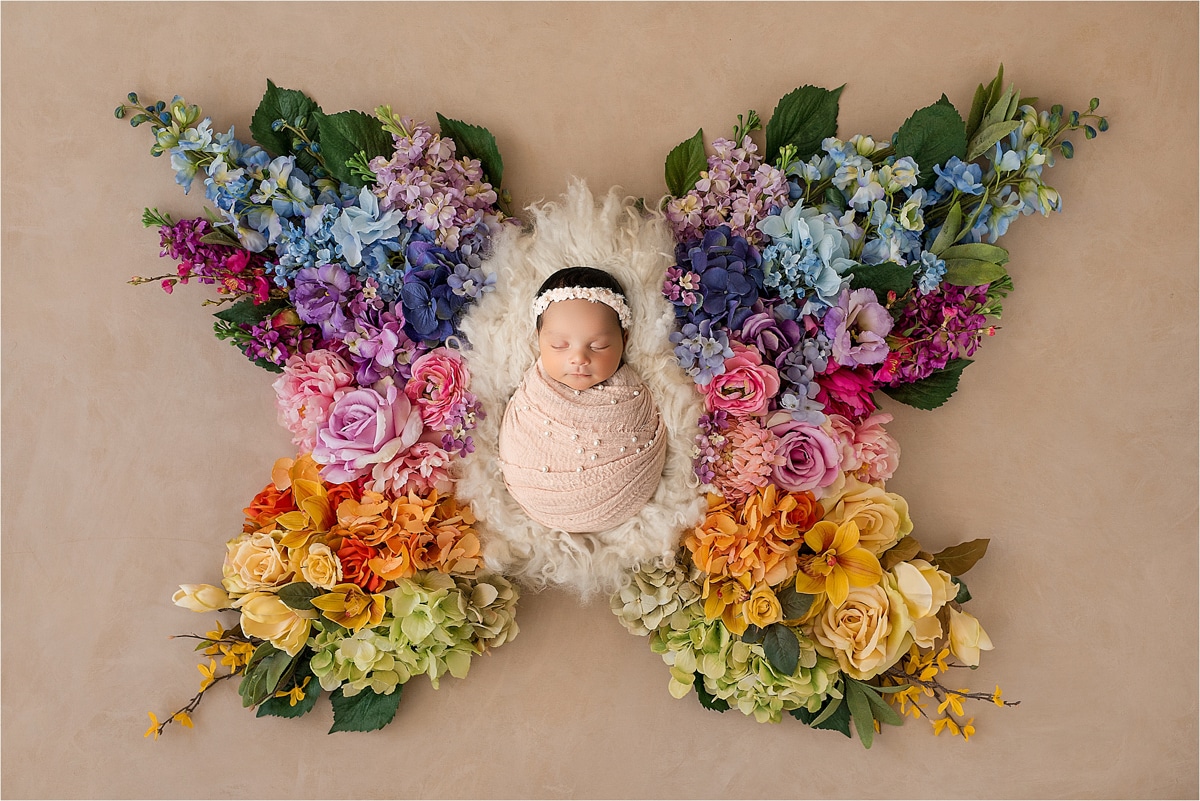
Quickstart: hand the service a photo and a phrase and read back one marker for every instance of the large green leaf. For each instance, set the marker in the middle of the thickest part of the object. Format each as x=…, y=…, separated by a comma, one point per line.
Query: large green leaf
x=883, y=278
x=366, y=711
x=782, y=648
x=983, y=141
x=795, y=604
x=950, y=230
x=287, y=104
x=684, y=165
x=803, y=117
x=931, y=136
x=932, y=392
x=475, y=142
x=881, y=710
x=972, y=272
x=346, y=134
x=977, y=250
x=958, y=559
x=246, y=312
x=298, y=595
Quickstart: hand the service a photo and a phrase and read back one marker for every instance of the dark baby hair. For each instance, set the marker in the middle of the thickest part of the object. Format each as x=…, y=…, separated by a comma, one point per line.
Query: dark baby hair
x=584, y=277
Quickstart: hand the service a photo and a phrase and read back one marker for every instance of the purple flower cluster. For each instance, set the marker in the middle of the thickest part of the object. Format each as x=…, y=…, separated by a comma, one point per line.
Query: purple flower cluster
x=716, y=278
x=931, y=330
x=235, y=271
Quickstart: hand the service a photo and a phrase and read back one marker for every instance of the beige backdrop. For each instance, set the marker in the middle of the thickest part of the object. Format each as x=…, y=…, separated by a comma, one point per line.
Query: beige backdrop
x=133, y=438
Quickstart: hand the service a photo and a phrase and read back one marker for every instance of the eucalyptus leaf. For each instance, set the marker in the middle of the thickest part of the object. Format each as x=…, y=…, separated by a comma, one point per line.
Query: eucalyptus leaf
x=684, y=165
x=803, y=117
x=931, y=392
x=860, y=711
x=931, y=136
x=298, y=595
x=366, y=711
x=782, y=648
x=347, y=133
x=285, y=104
x=958, y=559
x=950, y=229
x=883, y=278
x=972, y=272
x=475, y=142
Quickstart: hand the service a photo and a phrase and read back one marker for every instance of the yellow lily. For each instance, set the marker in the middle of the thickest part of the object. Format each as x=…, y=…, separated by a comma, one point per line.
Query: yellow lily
x=349, y=606
x=837, y=562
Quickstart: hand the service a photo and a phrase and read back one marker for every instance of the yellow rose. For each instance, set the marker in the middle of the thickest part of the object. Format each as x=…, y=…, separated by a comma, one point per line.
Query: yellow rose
x=867, y=633
x=267, y=617
x=320, y=567
x=967, y=637
x=925, y=590
x=763, y=608
x=201, y=598
x=882, y=517
x=254, y=562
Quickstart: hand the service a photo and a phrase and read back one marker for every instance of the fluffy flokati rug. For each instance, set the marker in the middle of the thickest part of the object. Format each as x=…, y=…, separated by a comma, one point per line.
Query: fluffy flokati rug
x=635, y=246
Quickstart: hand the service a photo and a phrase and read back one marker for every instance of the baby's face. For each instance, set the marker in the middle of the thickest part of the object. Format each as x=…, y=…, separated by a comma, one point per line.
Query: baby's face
x=581, y=342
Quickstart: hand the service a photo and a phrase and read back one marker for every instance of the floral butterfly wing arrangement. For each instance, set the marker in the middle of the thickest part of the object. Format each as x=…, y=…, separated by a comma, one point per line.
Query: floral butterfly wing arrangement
x=345, y=248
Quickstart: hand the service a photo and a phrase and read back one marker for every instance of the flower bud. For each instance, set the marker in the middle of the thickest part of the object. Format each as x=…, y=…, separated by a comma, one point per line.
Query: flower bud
x=201, y=598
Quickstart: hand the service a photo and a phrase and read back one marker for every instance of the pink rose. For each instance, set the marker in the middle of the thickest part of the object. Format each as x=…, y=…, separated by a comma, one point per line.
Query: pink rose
x=878, y=451
x=438, y=385
x=310, y=383
x=423, y=467
x=365, y=429
x=810, y=455
x=746, y=385
x=842, y=431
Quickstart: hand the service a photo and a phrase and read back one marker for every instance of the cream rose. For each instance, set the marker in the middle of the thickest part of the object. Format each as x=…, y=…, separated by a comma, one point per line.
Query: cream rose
x=867, y=633
x=925, y=590
x=254, y=562
x=882, y=517
x=967, y=637
x=320, y=567
x=265, y=616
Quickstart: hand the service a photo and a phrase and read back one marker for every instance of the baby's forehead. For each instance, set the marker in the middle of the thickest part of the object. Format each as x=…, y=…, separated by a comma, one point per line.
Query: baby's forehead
x=576, y=315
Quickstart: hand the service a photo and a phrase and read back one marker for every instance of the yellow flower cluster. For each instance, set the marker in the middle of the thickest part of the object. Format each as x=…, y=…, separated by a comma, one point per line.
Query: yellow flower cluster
x=922, y=670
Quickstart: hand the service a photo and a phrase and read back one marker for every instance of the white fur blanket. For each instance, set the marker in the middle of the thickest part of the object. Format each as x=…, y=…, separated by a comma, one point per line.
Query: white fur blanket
x=636, y=247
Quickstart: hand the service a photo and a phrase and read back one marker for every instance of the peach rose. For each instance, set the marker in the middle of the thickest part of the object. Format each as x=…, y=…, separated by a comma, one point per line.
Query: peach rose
x=320, y=567
x=254, y=562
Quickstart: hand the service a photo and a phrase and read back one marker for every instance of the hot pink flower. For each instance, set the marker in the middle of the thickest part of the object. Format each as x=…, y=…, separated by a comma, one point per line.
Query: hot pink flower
x=878, y=451
x=810, y=455
x=365, y=429
x=422, y=468
x=847, y=392
x=746, y=385
x=438, y=386
x=310, y=383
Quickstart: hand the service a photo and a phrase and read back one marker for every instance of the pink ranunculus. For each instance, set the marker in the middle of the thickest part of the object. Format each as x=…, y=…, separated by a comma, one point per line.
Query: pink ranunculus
x=438, y=386
x=810, y=455
x=310, y=383
x=847, y=392
x=365, y=429
x=746, y=386
x=878, y=451
x=422, y=468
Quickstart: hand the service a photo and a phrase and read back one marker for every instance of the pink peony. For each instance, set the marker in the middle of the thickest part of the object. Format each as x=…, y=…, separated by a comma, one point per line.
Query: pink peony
x=842, y=431
x=810, y=455
x=847, y=392
x=877, y=450
x=438, y=386
x=310, y=384
x=745, y=387
x=746, y=462
x=423, y=467
x=365, y=429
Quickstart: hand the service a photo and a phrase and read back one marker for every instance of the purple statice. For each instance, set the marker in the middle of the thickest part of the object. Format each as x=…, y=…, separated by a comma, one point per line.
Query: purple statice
x=931, y=330
x=320, y=296
x=701, y=351
x=731, y=277
x=737, y=190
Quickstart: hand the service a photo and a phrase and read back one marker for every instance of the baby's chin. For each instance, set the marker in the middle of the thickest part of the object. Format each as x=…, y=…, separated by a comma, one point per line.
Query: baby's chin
x=579, y=382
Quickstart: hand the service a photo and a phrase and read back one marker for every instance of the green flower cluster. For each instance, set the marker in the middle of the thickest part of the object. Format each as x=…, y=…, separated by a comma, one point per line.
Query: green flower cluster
x=655, y=593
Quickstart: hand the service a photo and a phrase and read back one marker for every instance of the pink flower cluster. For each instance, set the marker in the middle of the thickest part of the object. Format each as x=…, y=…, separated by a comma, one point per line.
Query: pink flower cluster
x=431, y=186
x=737, y=190
x=310, y=384
x=746, y=386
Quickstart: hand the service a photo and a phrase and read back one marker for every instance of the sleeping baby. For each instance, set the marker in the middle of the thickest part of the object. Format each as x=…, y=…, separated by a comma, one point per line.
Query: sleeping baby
x=581, y=446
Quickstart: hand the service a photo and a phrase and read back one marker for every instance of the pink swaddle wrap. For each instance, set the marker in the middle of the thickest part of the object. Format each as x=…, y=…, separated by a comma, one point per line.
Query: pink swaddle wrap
x=582, y=460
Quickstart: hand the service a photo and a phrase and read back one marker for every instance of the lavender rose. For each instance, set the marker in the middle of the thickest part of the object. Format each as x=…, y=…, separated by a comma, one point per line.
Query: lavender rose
x=810, y=455
x=365, y=429
x=858, y=327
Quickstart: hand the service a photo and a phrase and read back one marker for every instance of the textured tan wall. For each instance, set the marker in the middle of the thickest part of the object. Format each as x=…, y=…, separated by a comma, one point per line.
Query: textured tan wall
x=132, y=438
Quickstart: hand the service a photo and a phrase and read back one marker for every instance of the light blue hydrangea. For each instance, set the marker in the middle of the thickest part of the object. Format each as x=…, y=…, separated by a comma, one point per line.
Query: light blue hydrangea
x=807, y=257
x=933, y=270
x=956, y=174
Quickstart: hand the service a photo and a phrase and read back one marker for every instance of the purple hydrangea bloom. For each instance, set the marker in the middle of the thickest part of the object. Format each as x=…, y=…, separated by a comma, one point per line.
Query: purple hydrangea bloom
x=731, y=276
x=319, y=295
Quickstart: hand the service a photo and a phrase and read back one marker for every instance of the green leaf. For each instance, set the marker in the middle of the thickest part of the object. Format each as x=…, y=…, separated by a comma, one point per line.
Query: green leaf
x=347, y=133
x=931, y=136
x=684, y=165
x=753, y=634
x=977, y=250
x=282, y=707
x=860, y=711
x=834, y=196
x=902, y=551
x=999, y=110
x=221, y=236
x=958, y=559
x=263, y=673
x=298, y=595
x=972, y=272
x=707, y=699
x=475, y=142
x=950, y=229
x=983, y=141
x=795, y=604
x=803, y=117
x=932, y=392
x=782, y=648
x=964, y=594
x=883, y=278
x=834, y=716
x=286, y=104
x=366, y=711
x=978, y=106
x=881, y=710
x=245, y=312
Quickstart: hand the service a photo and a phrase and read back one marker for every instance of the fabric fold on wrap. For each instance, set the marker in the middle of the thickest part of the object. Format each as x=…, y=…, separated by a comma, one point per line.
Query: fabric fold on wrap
x=582, y=460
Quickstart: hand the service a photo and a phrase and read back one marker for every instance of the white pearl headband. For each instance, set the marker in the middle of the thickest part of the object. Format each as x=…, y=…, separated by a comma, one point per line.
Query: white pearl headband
x=593, y=294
